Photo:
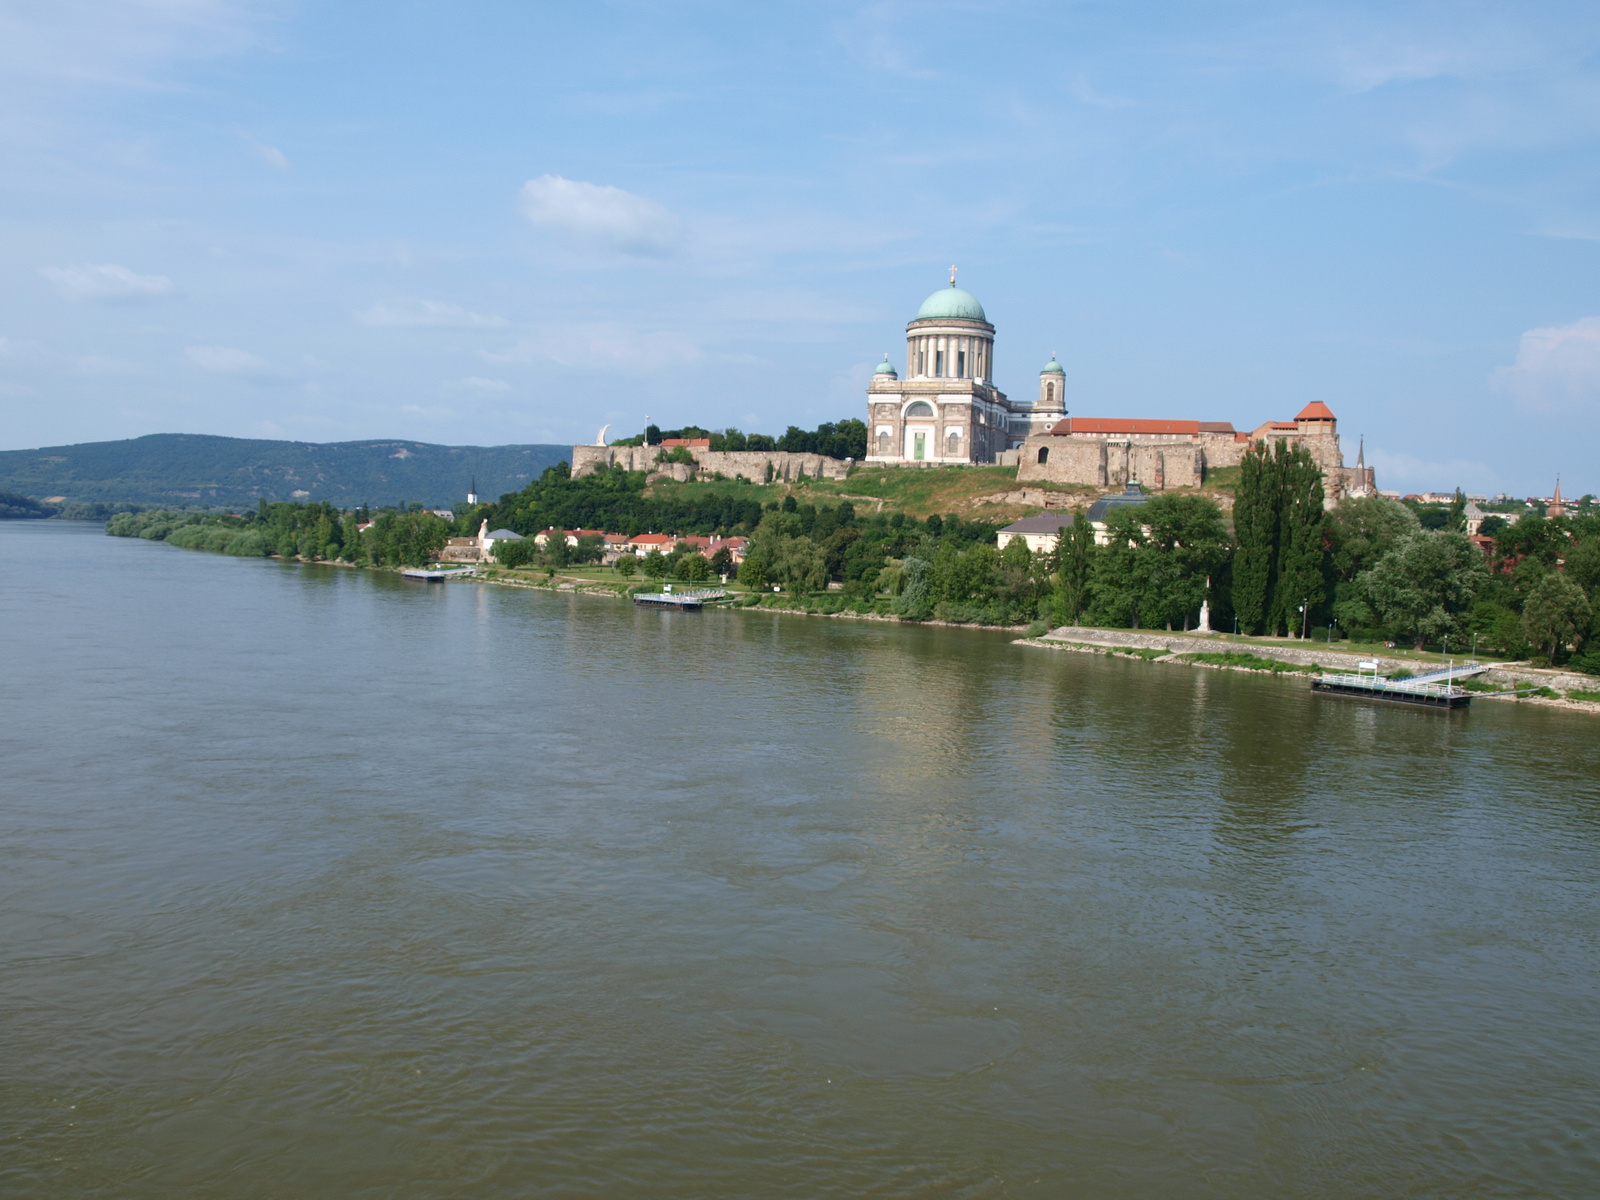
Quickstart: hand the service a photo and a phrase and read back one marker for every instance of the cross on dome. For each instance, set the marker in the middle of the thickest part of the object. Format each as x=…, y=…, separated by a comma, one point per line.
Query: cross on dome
x=952, y=276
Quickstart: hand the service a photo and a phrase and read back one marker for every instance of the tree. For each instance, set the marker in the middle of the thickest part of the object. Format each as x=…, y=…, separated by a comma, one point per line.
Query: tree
x=1556, y=614
x=1184, y=543
x=915, y=602
x=1118, y=585
x=655, y=565
x=753, y=573
x=693, y=568
x=1365, y=528
x=1425, y=586
x=626, y=565
x=722, y=562
x=1456, y=521
x=801, y=565
x=556, y=551
x=1583, y=565
x=1074, y=547
x=1257, y=523
x=1299, y=586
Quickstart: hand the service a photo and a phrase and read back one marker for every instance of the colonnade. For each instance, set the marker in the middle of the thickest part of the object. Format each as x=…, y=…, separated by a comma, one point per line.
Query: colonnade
x=945, y=356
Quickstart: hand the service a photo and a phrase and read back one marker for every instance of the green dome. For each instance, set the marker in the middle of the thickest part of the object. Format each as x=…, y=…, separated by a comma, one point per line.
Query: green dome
x=1053, y=367
x=886, y=368
x=951, y=302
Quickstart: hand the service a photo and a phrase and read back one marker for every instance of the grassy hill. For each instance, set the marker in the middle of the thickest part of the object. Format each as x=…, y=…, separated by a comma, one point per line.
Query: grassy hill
x=196, y=470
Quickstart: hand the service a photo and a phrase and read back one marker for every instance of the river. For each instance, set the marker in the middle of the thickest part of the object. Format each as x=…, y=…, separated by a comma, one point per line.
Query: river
x=320, y=883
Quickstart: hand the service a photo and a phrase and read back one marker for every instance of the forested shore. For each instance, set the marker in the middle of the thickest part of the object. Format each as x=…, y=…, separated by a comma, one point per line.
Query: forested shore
x=1278, y=565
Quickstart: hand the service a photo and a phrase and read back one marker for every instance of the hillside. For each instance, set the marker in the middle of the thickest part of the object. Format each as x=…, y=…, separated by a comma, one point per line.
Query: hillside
x=197, y=470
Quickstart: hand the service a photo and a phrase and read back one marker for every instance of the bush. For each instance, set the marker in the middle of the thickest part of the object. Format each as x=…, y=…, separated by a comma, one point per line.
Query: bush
x=1037, y=629
x=515, y=553
x=245, y=543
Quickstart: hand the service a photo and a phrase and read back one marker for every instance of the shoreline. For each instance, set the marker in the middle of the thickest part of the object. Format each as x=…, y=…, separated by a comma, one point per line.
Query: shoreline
x=1125, y=643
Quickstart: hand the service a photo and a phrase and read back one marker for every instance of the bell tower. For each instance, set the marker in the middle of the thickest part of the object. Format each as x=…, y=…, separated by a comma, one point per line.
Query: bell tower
x=1052, y=389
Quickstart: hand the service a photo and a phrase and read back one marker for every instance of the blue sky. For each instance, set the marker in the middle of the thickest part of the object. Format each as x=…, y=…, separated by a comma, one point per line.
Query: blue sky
x=488, y=223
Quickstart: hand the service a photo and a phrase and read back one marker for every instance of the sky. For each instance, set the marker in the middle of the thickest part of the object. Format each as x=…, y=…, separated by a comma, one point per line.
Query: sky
x=483, y=223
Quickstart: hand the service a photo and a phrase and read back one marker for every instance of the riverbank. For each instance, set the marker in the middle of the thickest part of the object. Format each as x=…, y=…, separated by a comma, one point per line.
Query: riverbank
x=1560, y=689
x=1214, y=651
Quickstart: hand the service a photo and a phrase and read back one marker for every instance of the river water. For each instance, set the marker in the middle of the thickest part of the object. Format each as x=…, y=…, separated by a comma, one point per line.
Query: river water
x=319, y=883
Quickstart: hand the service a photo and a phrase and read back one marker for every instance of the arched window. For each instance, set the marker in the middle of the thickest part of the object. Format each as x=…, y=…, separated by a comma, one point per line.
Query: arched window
x=919, y=408
x=1044, y=454
x=1049, y=393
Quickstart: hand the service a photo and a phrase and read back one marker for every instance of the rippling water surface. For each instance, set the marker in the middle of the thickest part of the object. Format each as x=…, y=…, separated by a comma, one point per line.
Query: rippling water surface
x=317, y=883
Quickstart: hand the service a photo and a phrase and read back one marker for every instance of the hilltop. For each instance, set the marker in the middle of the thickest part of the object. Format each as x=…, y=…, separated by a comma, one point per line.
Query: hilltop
x=198, y=470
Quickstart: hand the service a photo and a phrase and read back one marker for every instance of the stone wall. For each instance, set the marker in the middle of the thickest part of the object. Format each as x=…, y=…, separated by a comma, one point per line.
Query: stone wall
x=1179, y=462
x=1110, y=463
x=752, y=464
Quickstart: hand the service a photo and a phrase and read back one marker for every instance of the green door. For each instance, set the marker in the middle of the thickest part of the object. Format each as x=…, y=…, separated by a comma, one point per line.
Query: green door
x=919, y=446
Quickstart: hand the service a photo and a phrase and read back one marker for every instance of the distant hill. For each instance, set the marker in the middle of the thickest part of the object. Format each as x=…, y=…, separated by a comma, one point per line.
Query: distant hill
x=202, y=471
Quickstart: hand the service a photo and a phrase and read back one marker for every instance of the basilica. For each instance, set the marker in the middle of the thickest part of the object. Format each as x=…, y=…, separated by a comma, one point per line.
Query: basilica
x=947, y=411
x=947, y=408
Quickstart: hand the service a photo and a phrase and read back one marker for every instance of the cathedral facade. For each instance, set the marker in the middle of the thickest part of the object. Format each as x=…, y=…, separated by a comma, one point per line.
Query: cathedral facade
x=947, y=409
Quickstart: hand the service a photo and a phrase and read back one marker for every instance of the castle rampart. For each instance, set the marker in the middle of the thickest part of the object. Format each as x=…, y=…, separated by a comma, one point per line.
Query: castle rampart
x=758, y=466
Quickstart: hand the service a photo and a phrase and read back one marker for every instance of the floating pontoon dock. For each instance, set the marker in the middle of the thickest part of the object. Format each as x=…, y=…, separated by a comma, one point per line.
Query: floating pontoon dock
x=680, y=600
x=436, y=576
x=1436, y=689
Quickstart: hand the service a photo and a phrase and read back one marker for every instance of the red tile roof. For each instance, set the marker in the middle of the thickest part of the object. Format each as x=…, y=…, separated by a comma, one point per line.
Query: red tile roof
x=1315, y=411
x=1124, y=425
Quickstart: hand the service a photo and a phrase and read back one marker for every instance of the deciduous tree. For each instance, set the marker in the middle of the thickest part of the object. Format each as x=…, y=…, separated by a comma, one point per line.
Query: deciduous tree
x=1425, y=586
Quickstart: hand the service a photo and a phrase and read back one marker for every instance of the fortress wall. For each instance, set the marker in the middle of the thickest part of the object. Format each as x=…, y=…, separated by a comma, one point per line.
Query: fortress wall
x=1070, y=460
x=1109, y=463
x=752, y=464
x=1158, y=465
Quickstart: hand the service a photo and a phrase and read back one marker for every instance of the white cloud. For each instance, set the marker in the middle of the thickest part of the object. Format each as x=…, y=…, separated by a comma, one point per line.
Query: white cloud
x=1407, y=472
x=603, y=346
x=107, y=281
x=601, y=215
x=426, y=312
x=225, y=360
x=270, y=155
x=1556, y=367
x=479, y=384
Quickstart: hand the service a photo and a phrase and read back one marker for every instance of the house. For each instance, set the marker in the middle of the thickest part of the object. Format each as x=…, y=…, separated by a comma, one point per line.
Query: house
x=646, y=542
x=479, y=548
x=498, y=535
x=1103, y=507
x=1038, y=533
